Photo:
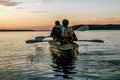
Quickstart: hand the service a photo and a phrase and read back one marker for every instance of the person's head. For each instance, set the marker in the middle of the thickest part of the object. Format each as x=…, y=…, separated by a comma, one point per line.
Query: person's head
x=65, y=22
x=57, y=22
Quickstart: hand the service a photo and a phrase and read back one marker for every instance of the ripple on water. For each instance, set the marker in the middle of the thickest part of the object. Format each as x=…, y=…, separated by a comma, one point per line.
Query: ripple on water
x=96, y=61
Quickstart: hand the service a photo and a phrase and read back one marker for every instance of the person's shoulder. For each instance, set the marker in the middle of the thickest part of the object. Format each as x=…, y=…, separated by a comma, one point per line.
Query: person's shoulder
x=59, y=26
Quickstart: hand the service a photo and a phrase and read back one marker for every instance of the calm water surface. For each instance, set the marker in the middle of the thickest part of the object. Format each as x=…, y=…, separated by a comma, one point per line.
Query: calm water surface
x=95, y=61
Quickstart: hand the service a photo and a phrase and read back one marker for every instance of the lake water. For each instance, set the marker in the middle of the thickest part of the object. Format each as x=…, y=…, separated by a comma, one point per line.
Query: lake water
x=95, y=61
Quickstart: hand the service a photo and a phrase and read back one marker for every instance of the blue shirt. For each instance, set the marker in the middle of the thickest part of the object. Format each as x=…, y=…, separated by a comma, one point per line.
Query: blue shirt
x=56, y=26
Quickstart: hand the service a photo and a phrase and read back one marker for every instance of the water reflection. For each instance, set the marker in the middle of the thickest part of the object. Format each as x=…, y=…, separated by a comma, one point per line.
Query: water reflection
x=36, y=57
x=95, y=61
x=63, y=68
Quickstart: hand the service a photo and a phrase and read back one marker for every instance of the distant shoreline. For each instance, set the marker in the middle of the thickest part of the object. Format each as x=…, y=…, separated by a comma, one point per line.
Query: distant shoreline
x=43, y=30
x=98, y=27
x=21, y=30
x=74, y=27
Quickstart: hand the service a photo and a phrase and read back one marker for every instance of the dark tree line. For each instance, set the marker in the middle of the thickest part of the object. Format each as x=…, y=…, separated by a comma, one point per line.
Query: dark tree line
x=99, y=27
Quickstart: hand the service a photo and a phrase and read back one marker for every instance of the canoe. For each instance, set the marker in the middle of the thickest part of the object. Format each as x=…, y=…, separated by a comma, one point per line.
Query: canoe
x=67, y=51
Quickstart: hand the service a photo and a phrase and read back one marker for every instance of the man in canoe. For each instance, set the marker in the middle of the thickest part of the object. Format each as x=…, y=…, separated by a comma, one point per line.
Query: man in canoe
x=55, y=33
x=67, y=34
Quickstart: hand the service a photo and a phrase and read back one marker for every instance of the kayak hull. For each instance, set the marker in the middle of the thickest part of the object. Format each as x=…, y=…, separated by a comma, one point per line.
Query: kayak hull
x=67, y=51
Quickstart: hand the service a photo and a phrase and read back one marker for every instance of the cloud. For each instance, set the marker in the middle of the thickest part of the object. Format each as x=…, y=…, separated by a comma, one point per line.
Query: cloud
x=112, y=20
x=20, y=8
x=118, y=18
x=8, y=3
x=44, y=2
x=39, y=11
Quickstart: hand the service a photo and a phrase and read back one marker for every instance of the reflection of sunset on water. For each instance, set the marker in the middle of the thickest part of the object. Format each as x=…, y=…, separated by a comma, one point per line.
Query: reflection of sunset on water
x=22, y=61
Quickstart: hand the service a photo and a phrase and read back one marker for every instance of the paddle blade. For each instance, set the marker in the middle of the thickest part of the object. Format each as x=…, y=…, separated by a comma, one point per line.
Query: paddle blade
x=96, y=40
x=40, y=38
x=37, y=39
x=83, y=28
x=32, y=41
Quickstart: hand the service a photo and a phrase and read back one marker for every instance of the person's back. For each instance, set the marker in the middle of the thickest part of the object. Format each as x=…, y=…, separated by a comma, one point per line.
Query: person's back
x=55, y=33
x=67, y=34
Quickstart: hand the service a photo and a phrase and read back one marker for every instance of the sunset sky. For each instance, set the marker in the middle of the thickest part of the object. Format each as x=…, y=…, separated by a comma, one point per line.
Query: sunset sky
x=41, y=14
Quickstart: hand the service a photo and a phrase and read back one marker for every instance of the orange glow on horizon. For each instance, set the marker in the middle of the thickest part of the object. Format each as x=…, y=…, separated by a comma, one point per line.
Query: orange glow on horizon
x=37, y=24
x=41, y=14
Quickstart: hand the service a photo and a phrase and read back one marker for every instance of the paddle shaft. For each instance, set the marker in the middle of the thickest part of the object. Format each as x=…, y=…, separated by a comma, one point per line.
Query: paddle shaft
x=36, y=41
x=94, y=40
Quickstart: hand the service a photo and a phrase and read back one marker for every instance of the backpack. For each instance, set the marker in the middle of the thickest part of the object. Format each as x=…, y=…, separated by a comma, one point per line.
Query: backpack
x=67, y=33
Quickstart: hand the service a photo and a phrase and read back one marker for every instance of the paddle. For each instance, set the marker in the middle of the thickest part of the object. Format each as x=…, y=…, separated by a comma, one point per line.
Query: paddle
x=37, y=39
x=40, y=39
x=94, y=40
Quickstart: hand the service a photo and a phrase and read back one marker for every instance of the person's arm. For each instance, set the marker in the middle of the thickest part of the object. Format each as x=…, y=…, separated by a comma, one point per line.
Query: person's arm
x=74, y=37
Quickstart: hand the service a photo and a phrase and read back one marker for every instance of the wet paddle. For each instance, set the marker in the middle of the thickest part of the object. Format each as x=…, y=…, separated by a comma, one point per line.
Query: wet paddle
x=41, y=39
x=94, y=40
x=37, y=39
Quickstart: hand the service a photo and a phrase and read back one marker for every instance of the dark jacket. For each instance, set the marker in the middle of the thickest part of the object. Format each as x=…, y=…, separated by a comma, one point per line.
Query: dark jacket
x=55, y=33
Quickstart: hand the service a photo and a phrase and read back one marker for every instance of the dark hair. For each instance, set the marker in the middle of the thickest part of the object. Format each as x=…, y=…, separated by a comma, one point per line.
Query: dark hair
x=57, y=22
x=65, y=22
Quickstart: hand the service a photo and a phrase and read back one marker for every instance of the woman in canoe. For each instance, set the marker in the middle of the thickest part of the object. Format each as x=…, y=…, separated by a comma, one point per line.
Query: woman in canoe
x=67, y=35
